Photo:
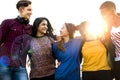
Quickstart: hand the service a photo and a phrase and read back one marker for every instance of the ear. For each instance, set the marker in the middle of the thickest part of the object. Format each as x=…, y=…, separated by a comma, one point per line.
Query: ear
x=21, y=9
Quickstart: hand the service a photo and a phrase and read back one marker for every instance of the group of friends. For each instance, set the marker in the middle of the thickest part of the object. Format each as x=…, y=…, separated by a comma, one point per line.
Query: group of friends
x=99, y=56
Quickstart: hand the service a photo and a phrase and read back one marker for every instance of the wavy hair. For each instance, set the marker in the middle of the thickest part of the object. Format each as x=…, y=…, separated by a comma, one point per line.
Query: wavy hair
x=36, y=25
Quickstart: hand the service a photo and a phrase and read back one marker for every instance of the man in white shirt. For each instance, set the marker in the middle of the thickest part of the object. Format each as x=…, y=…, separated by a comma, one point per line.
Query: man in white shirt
x=109, y=14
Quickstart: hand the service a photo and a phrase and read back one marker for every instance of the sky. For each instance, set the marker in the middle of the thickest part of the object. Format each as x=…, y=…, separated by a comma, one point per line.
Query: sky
x=57, y=11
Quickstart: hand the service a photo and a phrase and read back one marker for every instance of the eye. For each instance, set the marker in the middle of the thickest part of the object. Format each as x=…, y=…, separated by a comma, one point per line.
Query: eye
x=43, y=24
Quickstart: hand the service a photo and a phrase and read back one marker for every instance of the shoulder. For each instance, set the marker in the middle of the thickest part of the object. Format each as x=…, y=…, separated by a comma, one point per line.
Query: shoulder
x=54, y=44
x=77, y=39
x=8, y=22
x=54, y=47
x=50, y=39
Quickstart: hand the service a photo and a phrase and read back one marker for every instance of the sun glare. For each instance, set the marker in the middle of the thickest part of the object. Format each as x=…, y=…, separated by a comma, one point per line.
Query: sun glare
x=77, y=34
x=97, y=26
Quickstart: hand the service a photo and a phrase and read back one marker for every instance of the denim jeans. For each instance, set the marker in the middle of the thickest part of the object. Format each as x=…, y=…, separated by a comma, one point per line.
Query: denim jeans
x=11, y=73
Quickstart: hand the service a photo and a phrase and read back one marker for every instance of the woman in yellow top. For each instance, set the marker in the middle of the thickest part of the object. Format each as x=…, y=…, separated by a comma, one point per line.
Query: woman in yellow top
x=95, y=63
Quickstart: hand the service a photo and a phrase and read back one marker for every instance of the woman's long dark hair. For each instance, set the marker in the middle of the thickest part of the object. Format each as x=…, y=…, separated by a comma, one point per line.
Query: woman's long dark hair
x=71, y=29
x=36, y=25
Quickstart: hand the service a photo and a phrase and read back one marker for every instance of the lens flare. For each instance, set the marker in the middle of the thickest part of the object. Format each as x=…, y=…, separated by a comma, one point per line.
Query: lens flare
x=4, y=61
x=97, y=28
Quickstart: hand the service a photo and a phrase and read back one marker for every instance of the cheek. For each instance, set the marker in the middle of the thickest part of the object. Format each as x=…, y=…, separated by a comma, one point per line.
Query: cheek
x=25, y=12
x=61, y=33
x=108, y=20
x=64, y=33
x=39, y=29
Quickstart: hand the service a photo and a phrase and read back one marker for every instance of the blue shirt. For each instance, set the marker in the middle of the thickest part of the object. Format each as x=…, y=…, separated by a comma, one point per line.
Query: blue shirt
x=69, y=68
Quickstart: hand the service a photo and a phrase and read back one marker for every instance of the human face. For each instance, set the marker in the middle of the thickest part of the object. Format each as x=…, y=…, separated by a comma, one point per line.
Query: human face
x=89, y=33
x=63, y=31
x=43, y=27
x=107, y=15
x=26, y=12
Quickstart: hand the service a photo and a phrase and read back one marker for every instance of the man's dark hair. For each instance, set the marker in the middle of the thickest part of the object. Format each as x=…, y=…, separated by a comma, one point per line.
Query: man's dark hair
x=23, y=3
x=108, y=5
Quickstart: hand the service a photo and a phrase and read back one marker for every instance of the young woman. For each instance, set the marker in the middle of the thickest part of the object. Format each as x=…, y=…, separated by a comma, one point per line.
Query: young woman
x=95, y=63
x=67, y=52
x=42, y=61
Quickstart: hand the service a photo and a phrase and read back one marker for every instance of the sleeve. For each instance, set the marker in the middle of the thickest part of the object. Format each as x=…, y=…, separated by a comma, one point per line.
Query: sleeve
x=81, y=45
x=54, y=50
x=80, y=56
x=29, y=50
x=4, y=30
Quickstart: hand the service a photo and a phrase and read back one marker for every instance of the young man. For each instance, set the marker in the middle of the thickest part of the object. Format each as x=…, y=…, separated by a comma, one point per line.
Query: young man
x=112, y=18
x=14, y=68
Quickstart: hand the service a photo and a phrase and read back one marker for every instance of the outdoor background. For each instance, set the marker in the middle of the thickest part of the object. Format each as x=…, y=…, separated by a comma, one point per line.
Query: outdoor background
x=58, y=11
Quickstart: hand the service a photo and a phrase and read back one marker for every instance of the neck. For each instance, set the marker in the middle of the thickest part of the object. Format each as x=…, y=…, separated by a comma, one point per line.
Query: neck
x=66, y=39
x=21, y=16
x=39, y=35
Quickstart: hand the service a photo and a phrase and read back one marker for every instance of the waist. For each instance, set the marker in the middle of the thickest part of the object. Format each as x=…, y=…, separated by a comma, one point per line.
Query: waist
x=95, y=67
x=13, y=69
x=7, y=61
x=117, y=58
x=40, y=74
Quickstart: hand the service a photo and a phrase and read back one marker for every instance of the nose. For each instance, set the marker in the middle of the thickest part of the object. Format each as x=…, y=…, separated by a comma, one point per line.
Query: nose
x=46, y=27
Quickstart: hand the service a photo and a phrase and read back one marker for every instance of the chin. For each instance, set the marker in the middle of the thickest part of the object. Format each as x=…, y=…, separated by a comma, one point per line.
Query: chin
x=44, y=32
x=27, y=17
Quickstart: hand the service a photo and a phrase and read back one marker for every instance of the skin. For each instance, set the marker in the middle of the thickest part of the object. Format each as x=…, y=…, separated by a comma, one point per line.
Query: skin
x=111, y=17
x=42, y=29
x=64, y=33
x=25, y=12
x=86, y=31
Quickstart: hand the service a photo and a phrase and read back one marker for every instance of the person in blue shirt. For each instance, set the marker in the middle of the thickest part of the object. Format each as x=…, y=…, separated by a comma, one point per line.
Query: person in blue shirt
x=67, y=52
